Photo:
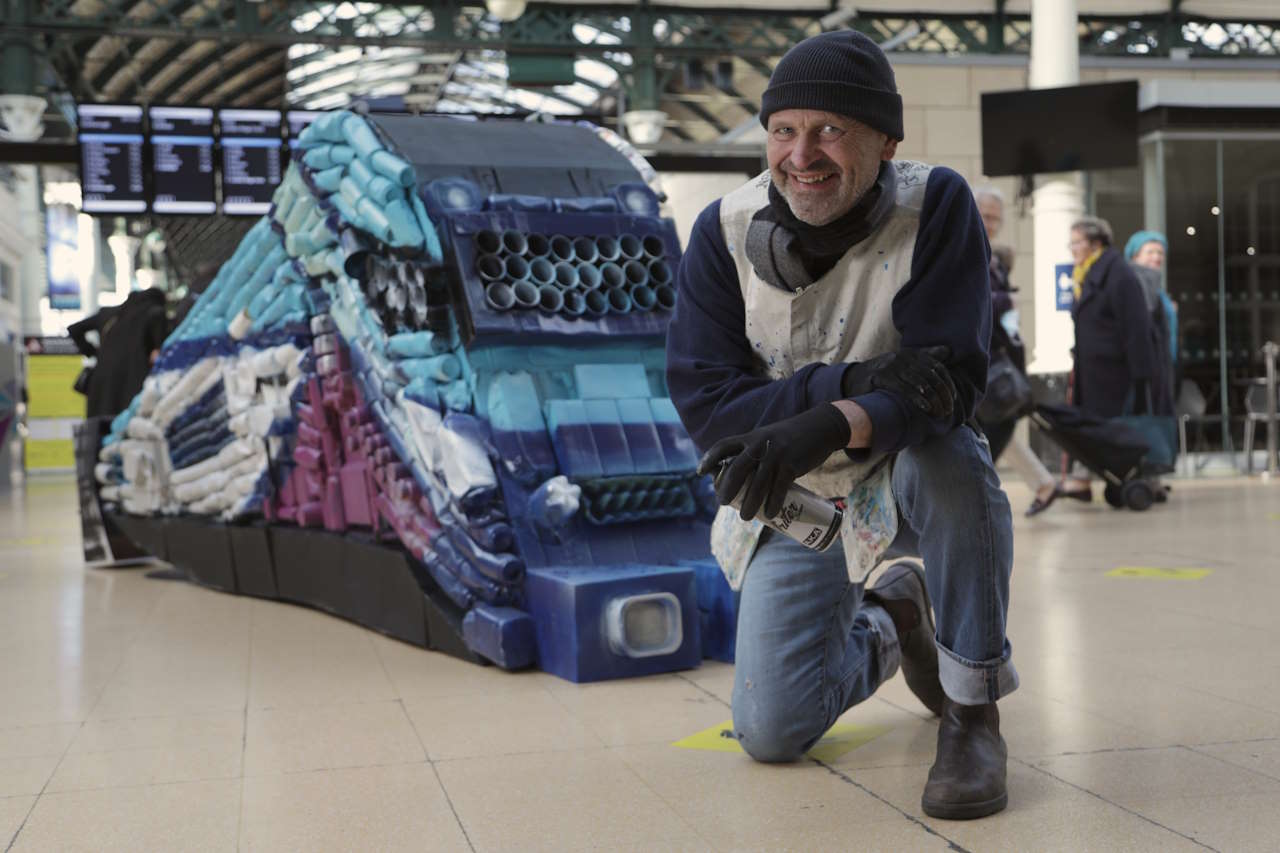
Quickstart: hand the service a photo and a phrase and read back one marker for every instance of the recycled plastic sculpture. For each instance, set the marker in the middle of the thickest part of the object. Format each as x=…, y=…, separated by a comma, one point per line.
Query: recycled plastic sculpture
x=399, y=374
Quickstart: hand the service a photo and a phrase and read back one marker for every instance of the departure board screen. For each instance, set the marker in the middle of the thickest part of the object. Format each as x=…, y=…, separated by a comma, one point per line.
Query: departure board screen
x=252, y=154
x=299, y=119
x=182, y=159
x=111, y=173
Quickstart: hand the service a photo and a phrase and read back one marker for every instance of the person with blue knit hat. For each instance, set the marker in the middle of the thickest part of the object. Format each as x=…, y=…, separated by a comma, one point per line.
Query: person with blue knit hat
x=832, y=331
x=1146, y=252
x=1147, y=249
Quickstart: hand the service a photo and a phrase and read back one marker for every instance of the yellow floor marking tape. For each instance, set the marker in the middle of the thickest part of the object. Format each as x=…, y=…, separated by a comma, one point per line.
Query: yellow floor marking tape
x=842, y=738
x=1186, y=574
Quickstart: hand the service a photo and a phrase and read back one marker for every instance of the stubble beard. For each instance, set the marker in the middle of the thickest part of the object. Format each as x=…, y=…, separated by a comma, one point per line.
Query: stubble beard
x=824, y=211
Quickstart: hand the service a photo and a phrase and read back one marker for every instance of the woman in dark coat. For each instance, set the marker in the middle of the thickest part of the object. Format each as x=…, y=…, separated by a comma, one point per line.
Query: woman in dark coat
x=129, y=335
x=1114, y=357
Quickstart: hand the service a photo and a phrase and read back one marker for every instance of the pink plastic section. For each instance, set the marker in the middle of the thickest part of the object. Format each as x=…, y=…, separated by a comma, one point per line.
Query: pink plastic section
x=355, y=494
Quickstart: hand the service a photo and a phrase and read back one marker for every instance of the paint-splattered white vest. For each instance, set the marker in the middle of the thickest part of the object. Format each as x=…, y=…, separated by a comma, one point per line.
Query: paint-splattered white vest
x=847, y=315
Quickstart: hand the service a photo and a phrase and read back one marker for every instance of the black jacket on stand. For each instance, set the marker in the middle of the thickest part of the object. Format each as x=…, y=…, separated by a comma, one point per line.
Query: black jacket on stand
x=1114, y=353
x=127, y=335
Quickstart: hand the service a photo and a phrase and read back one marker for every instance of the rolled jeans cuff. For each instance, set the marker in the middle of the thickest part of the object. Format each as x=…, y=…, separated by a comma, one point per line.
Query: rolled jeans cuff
x=888, y=651
x=969, y=682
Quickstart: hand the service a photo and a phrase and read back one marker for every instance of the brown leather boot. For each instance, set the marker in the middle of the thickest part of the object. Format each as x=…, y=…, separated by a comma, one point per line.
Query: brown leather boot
x=902, y=593
x=967, y=779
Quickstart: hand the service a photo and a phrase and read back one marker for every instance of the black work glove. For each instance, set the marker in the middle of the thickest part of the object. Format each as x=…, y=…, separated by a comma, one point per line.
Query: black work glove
x=916, y=375
x=766, y=461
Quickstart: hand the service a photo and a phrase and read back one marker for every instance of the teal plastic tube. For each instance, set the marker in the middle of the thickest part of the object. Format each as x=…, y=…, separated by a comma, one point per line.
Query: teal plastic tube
x=318, y=158
x=341, y=154
x=344, y=208
x=360, y=136
x=393, y=168
x=289, y=299
x=439, y=368
x=456, y=396
x=415, y=345
x=431, y=240
x=382, y=190
x=330, y=179
x=335, y=260
x=315, y=264
x=330, y=125
x=263, y=298
x=360, y=172
x=550, y=299
x=299, y=244
x=404, y=227
x=425, y=392
x=373, y=220
x=298, y=215
x=350, y=190
x=321, y=235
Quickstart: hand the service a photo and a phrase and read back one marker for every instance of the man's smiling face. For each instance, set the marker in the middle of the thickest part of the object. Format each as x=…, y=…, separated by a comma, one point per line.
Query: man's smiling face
x=824, y=163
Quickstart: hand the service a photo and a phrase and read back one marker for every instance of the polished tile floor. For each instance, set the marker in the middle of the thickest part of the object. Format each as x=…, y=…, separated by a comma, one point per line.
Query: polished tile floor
x=140, y=714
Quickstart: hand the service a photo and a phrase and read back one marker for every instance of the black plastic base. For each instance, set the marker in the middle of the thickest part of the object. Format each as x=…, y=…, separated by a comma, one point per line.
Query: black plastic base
x=251, y=558
x=202, y=550
x=349, y=575
x=146, y=533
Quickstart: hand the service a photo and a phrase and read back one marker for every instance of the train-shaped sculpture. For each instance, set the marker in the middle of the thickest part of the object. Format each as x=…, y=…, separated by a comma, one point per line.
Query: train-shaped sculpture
x=426, y=393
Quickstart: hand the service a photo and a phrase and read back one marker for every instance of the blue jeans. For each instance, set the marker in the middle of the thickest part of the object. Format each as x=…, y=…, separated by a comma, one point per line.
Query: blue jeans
x=809, y=648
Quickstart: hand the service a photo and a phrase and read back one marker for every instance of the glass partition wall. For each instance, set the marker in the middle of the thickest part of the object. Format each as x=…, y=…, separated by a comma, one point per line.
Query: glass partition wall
x=1216, y=195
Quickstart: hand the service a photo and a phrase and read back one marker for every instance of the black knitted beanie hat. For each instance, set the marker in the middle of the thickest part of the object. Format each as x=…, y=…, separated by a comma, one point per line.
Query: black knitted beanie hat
x=841, y=72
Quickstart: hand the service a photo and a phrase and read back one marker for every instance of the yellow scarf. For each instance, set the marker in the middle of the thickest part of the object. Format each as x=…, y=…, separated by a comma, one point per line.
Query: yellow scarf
x=1082, y=270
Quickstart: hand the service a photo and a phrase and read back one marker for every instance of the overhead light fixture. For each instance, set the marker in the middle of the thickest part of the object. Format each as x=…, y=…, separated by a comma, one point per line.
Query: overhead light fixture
x=644, y=127
x=22, y=116
x=506, y=10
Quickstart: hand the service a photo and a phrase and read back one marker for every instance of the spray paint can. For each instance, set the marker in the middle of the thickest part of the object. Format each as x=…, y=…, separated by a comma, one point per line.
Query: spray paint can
x=808, y=518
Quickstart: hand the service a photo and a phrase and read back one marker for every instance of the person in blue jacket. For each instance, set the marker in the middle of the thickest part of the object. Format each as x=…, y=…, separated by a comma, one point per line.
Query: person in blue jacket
x=832, y=329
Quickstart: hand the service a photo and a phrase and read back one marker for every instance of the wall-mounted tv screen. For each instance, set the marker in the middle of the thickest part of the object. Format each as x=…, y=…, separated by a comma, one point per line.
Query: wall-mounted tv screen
x=182, y=160
x=252, y=150
x=1033, y=131
x=111, y=172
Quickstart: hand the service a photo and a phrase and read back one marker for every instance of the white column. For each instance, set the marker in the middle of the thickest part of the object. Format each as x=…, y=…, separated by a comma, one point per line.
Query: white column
x=1058, y=200
x=33, y=280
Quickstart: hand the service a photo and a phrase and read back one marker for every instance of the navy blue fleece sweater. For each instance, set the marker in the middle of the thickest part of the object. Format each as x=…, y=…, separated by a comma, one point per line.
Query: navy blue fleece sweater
x=714, y=381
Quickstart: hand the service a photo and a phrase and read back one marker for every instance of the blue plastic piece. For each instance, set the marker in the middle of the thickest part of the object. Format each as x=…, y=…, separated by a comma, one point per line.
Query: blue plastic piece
x=677, y=446
x=609, y=438
x=636, y=417
x=504, y=635
x=507, y=201
x=611, y=381
x=569, y=607
x=719, y=607
x=572, y=439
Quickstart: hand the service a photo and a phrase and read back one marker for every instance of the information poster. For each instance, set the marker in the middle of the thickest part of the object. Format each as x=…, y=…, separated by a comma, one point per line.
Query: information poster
x=111, y=173
x=182, y=159
x=62, y=241
x=252, y=152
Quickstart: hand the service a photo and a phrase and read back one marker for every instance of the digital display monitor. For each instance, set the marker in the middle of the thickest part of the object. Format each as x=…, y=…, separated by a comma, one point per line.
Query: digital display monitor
x=111, y=172
x=252, y=155
x=299, y=119
x=1034, y=131
x=182, y=160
